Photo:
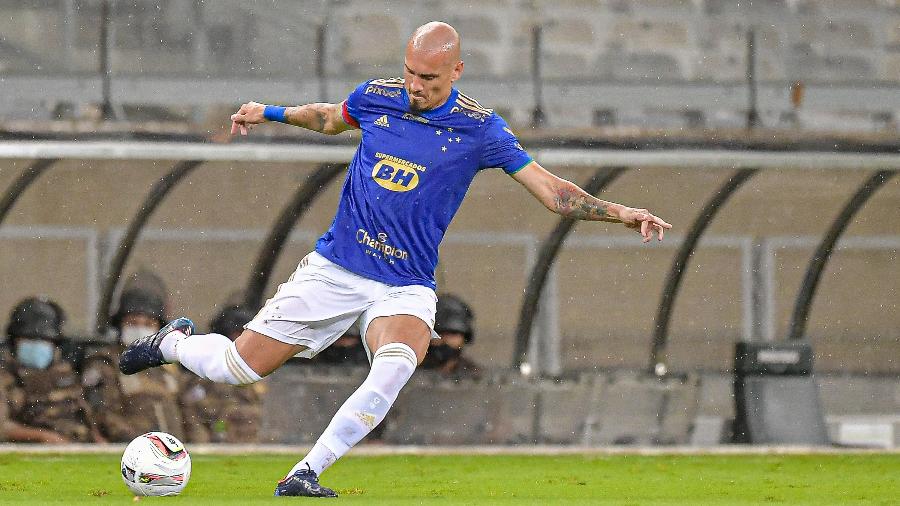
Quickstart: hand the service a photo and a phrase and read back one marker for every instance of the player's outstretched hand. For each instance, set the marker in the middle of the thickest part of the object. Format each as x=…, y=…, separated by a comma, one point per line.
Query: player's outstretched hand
x=644, y=223
x=249, y=114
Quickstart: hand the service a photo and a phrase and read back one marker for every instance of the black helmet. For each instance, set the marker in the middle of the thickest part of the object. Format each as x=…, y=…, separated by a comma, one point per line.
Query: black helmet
x=138, y=301
x=231, y=319
x=454, y=315
x=36, y=317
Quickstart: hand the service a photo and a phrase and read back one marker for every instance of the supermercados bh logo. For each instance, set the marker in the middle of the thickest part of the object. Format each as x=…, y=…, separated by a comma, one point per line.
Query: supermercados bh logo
x=378, y=246
x=396, y=174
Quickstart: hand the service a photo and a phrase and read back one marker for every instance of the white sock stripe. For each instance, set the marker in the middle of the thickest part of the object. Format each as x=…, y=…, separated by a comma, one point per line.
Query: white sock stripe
x=232, y=367
x=397, y=350
x=232, y=362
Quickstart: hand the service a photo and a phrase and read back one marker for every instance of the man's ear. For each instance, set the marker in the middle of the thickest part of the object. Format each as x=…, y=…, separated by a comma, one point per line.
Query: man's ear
x=457, y=70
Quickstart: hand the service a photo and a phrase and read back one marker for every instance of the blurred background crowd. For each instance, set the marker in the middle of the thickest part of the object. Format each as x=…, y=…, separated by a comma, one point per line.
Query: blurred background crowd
x=60, y=390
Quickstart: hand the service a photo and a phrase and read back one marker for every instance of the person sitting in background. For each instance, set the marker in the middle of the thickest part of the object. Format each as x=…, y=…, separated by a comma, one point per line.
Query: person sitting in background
x=45, y=398
x=454, y=322
x=347, y=350
x=128, y=406
x=217, y=412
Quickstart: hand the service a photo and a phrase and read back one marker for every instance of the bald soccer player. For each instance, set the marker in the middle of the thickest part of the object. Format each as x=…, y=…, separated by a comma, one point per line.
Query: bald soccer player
x=422, y=144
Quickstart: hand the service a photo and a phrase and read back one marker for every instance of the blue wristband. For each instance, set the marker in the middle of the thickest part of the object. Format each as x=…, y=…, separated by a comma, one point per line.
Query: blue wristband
x=275, y=113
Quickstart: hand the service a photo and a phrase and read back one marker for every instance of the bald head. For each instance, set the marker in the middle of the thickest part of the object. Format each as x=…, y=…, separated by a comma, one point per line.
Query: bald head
x=432, y=65
x=436, y=37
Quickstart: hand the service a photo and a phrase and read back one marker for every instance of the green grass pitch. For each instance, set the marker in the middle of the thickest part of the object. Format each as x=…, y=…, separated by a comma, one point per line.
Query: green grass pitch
x=452, y=479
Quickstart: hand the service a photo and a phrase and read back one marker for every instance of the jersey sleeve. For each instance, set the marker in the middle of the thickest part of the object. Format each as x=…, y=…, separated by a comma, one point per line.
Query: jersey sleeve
x=501, y=149
x=350, y=108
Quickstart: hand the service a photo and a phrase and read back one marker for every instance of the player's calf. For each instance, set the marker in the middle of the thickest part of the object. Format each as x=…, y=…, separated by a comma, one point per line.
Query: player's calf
x=214, y=357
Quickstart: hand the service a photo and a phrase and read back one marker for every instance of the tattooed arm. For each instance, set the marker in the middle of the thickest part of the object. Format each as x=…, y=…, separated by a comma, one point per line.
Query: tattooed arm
x=324, y=118
x=568, y=199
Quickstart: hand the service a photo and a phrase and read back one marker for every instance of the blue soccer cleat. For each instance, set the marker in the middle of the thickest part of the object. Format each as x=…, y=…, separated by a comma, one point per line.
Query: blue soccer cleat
x=144, y=353
x=303, y=483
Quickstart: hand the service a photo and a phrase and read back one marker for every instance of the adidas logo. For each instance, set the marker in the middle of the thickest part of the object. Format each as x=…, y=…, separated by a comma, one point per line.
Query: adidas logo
x=383, y=122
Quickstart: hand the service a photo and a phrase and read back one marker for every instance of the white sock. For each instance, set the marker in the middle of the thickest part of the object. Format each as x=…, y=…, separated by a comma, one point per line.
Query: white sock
x=214, y=357
x=392, y=366
x=168, y=344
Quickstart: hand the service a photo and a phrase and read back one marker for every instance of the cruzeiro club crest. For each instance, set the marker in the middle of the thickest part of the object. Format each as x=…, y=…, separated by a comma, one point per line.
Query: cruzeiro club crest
x=396, y=174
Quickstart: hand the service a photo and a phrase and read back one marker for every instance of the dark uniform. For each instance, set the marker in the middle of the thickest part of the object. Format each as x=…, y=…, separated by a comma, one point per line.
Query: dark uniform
x=52, y=399
x=217, y=412
x=46, y=395
x=453, y=316
x=220, y=413
x=128, y=406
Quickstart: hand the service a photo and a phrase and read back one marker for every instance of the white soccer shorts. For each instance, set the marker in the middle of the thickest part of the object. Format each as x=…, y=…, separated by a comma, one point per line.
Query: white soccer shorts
x=322, y=300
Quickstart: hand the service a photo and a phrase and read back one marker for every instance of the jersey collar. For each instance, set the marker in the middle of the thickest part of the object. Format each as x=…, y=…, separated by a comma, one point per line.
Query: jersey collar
x=440, y=111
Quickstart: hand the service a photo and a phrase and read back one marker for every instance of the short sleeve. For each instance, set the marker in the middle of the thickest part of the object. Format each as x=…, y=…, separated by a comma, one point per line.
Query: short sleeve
x=501, y=149
x=350, y=107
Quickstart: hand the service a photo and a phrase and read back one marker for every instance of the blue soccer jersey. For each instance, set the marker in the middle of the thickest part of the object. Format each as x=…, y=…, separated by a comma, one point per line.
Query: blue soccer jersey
x=408, y=178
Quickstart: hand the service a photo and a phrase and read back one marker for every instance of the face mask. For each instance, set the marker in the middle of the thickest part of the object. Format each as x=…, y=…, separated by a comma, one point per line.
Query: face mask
x=34, y=353
x=132, y=333
x=442, y=353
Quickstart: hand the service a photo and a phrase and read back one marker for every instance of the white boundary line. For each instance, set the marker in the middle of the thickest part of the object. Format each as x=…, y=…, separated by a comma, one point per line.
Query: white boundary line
x=380, y=450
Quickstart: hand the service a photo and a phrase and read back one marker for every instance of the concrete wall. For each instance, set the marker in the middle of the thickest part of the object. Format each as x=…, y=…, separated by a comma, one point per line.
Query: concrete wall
x=607, y=296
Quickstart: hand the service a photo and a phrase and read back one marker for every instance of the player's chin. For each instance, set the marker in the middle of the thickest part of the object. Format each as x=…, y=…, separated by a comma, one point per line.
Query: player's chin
x=417, y=104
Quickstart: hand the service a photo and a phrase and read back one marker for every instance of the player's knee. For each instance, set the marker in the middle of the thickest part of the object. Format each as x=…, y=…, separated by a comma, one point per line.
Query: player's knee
x=392, y=367
x=238, y=372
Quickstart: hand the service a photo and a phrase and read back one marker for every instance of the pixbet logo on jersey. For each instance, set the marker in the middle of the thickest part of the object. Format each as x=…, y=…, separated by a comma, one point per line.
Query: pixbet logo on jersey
x=396, y=174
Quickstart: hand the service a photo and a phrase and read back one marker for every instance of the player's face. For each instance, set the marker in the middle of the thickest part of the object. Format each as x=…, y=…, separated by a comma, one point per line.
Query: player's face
x=429, y=78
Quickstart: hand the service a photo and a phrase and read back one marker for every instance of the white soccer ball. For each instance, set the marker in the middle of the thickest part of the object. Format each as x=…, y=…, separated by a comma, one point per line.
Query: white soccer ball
x=156, y=463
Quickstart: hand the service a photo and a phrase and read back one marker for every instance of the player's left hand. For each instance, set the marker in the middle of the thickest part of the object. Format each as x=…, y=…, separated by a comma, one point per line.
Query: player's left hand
x=644, y=222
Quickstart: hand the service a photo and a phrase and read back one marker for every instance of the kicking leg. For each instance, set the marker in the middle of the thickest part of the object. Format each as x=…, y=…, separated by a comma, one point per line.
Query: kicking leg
x=211, y=356
x=215, y=357
x=399, y=343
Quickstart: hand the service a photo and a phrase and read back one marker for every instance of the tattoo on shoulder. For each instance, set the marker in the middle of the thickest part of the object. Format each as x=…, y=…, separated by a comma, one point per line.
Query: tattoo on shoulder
x=580, y=206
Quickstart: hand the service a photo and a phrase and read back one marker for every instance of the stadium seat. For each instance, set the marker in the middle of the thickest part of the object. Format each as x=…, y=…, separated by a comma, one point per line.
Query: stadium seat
x=558, y=65
x=637, y=66
x=369, y=44
x=478, y=63
x=651, y=35
x=890, y=68
x=568, y=31
x=841, y=68
x=476, y=29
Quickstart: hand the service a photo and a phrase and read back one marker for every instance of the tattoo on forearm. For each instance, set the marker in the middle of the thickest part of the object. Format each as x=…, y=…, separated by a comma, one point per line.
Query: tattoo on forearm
x=311, y=116
x=576, y=204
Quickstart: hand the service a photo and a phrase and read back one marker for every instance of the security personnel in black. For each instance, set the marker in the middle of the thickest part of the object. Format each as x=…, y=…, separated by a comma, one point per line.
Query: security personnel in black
x=220, y=413
x=348, y=350
x=128, y=406
x=454, y=322
x=44, y=394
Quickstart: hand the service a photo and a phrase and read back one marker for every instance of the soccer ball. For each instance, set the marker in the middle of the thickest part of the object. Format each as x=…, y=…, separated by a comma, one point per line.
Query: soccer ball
x=156, y=463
